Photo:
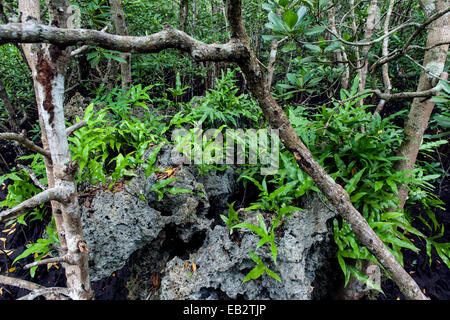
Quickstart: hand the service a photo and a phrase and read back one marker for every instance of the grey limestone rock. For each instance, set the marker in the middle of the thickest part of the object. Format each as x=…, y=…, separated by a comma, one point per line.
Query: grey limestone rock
x=222, y=264
x=116, y=225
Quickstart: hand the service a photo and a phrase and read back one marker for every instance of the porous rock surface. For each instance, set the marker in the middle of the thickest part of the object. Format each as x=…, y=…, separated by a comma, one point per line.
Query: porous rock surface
x=222, y=264
x=121, y=227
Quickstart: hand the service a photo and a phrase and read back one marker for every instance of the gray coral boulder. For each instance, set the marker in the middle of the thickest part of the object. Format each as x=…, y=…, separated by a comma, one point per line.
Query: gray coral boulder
x=221, y=264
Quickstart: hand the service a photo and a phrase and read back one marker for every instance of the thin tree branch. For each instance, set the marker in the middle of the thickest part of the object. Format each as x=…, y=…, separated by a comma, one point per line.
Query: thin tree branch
x=51, y=293
x=56, y=193
x=23, y=284
x=400, y=95
x=81, y=49
x=369, y=43
x=385, y=51
x=425, y=69
x=412, y=47
x=75, y=127
x=49, y=260
x=22, y=139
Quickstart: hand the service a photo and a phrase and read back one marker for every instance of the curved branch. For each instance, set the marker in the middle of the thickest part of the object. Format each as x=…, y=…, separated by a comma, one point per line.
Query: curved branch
x=65, y=259
x=169, y=37
x=369, y=43
x=33, y=177
x=57, y=193
x=23, y=284
x=22, y=139
x=75, y=127
x=51, y=293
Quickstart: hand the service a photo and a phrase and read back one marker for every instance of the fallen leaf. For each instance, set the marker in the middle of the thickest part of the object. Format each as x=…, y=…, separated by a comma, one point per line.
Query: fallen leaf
x=1, y=291
x=424, y=291
x=11, y=269
x=194, y=267
x=186, y=264
x=155, y=280
x=6, y=230
x=11, y=232
x=4, y=241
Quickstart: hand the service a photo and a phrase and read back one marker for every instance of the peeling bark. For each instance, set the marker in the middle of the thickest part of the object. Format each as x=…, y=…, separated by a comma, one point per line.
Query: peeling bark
x=48, y=64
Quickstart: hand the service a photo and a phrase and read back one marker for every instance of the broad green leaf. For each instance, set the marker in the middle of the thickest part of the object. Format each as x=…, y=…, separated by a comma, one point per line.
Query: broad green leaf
x=255, y=258
x=313, y=47
x=351, y=185
x=255, y=273
x=273, y=274
x=250, y=226
x=316, y=30
x=113, y=57
x=289, y=47
x=290, y=18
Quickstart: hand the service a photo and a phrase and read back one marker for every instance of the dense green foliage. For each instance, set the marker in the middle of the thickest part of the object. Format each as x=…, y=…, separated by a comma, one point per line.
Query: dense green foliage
x=126, y=129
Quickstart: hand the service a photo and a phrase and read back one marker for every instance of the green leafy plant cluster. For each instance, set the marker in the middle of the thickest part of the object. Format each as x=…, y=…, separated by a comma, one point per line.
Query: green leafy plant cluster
x=22, y=188
x=114, y=142
x=41, y=248
x=224, y=105
x=358, y=150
